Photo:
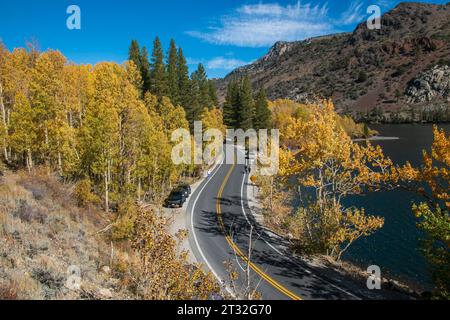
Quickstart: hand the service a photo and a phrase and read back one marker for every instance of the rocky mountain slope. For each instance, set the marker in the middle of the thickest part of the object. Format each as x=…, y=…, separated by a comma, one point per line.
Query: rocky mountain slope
x=396, y=74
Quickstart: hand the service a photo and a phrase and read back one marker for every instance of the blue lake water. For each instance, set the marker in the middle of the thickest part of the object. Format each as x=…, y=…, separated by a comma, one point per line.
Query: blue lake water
x=396, y=247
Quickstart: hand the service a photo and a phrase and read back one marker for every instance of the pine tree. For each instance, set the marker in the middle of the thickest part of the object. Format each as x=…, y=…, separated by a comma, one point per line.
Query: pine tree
x=172, y=73
x=158, y=82
x=145, y=70
x=262, y=116
x=200, y=77
x=140, y=58
x=194, y=111
x=184, y=85
x=231, y=105
x=246, y=107
x=134, y=54
x=213, y=93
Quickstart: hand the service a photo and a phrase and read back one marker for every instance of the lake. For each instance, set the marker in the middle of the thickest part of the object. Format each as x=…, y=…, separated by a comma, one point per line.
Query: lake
x=396, y=247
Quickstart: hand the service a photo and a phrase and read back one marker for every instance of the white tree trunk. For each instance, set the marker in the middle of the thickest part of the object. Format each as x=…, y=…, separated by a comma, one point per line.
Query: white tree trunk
x=5, y=128
x=29, y=160
x=106, y=191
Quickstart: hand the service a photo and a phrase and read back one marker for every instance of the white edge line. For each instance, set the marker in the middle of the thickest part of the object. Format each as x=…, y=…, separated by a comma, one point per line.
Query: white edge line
x=278, y=251
x=195, y=236
x=246, y=218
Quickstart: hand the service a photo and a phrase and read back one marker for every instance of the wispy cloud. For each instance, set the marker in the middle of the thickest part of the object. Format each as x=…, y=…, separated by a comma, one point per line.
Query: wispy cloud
x=259, y=25
x=354, y=13
x=225, y=63
x=219, y=63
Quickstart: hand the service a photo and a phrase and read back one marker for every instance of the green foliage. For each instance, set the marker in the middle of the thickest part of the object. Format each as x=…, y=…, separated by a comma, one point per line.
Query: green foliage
x=158, y=82
x=202, y=85
x=231, y=105
x=238, y=109
x=194, y=109
x=436, y=246
x=134, y=53
x=366, y=131
x=444, y=62
x=400, y=70
x=140, y=58
x=126, y=216
x=434, y=218
x=246, y=107
x=362, y=77
x=213, y=93
x=145, y=70
x=83, y=193
x=183, y=81
x=262, y=116
x=172, y=73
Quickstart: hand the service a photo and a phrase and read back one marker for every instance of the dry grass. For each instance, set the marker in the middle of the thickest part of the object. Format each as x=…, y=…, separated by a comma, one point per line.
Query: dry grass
x=42, y=234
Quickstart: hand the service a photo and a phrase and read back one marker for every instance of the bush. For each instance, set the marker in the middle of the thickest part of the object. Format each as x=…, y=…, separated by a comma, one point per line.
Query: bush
x=83, y=191
x=362, y=77
x=126, y=217
x=444, y=62
x=400, y=71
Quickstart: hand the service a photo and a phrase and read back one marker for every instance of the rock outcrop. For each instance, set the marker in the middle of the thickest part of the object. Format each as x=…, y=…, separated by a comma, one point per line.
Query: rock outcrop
x=387, y=71
x=433, y=84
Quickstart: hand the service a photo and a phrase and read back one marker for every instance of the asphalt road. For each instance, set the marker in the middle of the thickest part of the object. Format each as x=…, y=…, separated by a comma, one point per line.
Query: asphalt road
x=219, y=226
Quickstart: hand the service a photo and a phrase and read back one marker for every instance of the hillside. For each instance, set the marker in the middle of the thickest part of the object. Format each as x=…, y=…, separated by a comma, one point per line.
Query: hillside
x=394, y=74
x=42, y=234
x=53, y=248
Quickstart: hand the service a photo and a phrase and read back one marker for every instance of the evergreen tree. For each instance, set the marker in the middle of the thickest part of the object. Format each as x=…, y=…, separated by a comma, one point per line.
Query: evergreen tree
x=213, y=93
x=262, y=115
x=140, y=58
x=134, y=53
x=231, y=105
x=172, y=73
x=158, y=84
x=246, y=108
x=203, y=86
x=194, y=110
x=183, y=80
x=145, y=70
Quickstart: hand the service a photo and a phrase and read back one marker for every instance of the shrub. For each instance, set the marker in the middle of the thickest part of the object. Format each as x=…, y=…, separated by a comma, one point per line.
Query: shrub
x=362, y=77
x=83, y=191
x=126, y=217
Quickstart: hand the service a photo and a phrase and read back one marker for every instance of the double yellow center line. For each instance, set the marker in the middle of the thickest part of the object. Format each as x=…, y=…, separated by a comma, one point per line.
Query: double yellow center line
x=238, y=251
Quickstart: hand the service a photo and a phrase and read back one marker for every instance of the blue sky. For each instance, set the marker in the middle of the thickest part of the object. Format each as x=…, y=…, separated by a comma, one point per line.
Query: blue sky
x=222, y=34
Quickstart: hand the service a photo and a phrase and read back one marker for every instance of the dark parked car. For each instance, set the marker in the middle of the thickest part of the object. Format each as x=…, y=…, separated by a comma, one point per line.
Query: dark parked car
x=176, y=199
x=186, y=189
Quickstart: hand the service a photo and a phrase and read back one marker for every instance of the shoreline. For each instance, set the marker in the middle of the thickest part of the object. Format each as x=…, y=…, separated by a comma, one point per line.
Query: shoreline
x=351, y=272
x=376, y=138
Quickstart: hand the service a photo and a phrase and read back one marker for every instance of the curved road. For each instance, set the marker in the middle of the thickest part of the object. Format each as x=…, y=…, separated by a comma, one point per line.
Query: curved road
x=219, y=227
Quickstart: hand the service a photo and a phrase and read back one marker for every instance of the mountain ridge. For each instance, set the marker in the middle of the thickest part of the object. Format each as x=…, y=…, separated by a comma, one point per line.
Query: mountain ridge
x=367, y=73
